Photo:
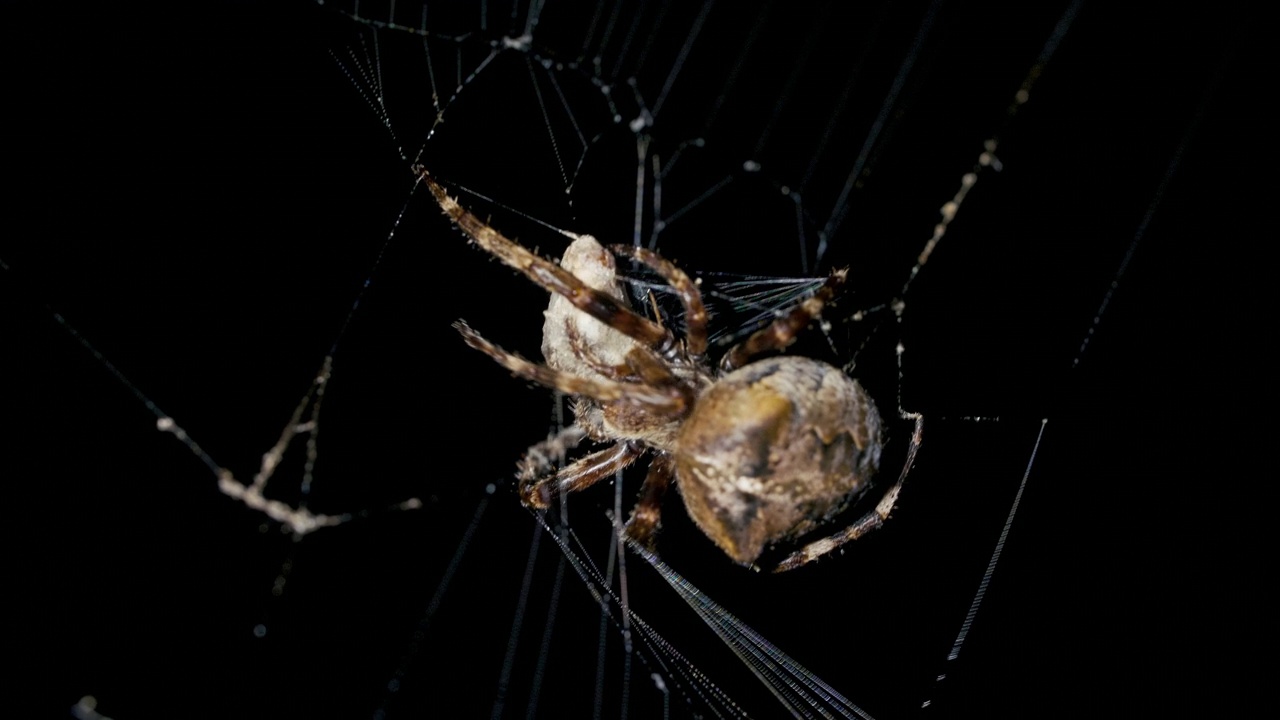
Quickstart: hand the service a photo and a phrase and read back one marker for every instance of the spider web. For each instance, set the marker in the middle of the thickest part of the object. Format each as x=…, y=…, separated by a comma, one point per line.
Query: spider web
x=208, y=237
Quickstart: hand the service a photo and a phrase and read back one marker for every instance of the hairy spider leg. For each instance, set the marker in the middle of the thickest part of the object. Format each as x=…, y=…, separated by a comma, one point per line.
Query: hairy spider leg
x=640, y=363
x=584, y=352
x=878, y=515
x=547, y=456
x=551, y=276
x=646, y=516
x=666, y=399
x=536, y=477
x=783, y=331
x=579, y=475
x=695, y=313
x=874, y=519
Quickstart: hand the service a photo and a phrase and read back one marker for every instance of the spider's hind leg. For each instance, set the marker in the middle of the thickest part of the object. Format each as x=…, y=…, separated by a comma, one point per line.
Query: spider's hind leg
x=865, y=524
x=666, y=400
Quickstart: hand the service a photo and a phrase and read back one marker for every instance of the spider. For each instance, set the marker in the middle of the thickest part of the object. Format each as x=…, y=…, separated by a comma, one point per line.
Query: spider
x=763, y=451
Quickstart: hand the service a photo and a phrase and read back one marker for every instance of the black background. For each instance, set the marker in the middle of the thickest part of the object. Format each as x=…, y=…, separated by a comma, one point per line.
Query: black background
x=202, y=193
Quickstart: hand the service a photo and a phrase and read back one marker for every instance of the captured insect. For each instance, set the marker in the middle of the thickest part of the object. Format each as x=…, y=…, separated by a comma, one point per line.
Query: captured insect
x=763, y=451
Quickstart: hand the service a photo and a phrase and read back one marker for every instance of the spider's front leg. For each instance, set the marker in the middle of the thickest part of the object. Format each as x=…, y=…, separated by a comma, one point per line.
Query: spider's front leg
x=664, y=400
x=548, y=456
x=550, y=276
x=537, y=492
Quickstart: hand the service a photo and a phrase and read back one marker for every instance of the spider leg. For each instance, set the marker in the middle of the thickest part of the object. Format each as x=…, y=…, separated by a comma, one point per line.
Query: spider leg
x=548, y=455
x=580, y=475
x=588, y=356
x=865, y=524
x=646, y=517
x=641, y=363
x=584, y=352
x=549, y=275
x=695, y=314
x=650, y=369
x=782, y=332
x=667, y=399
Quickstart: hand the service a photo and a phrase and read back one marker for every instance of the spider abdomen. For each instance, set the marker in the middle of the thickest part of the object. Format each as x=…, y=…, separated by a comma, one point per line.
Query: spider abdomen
x=774, y=449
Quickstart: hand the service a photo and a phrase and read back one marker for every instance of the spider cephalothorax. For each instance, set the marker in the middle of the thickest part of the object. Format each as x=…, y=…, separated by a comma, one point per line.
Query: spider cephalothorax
x=762, y=451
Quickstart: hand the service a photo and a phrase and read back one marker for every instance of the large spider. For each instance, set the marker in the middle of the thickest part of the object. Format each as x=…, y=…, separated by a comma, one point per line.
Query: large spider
x=762, y=451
